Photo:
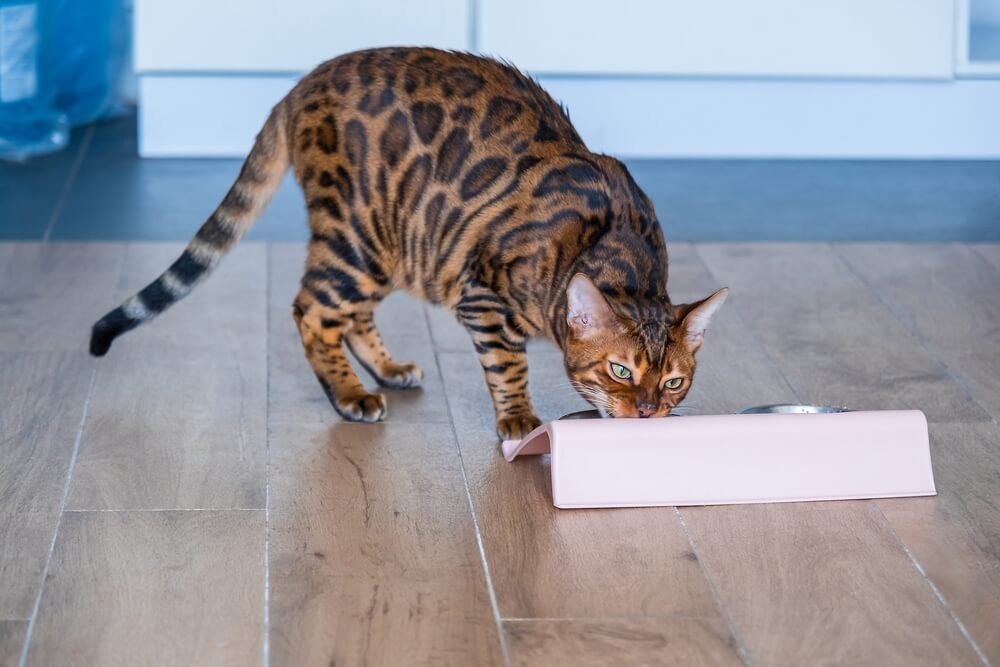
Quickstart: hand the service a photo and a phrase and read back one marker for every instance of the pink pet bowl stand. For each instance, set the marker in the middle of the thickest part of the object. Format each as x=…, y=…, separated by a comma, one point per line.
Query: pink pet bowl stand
x=731, y=459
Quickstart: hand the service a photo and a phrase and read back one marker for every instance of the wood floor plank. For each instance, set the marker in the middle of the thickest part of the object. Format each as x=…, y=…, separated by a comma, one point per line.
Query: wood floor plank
x=403, y=325
x=153, y=588
x=42, y=397
x=51, y=294
x=733, y=371
x=177, y=420
x=978, y=372
x=809, y=582
x=823, y=582
x=552, y=563
x=373, y=553
x=684, y=642
x=830, y=335
x=889, y=376
x=12, y=634
x=955, y=536
x=947, y=293
x=448, y=334
x=799, y=292
x=988, y=251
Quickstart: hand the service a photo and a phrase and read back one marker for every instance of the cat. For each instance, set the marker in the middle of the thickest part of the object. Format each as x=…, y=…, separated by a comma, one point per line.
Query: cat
x=459, y=179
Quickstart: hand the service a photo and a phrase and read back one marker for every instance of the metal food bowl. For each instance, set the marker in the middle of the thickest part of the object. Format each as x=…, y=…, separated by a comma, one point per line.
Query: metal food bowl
x=589, y=414
x=583, y=414
x=791, y=409
x=777, y=409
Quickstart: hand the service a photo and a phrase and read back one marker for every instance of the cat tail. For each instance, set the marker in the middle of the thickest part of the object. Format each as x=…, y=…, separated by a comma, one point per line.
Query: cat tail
x=259, y=178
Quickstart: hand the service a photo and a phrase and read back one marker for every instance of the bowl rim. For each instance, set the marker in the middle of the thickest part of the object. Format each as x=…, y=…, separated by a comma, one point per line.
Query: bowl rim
x=793, y=408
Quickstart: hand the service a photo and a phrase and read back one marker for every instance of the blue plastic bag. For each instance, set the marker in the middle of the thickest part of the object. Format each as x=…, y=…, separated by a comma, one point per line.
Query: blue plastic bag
x=30, y=123
x=60, y=63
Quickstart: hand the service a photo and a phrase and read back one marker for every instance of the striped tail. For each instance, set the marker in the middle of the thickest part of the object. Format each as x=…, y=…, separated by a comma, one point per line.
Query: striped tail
x=259, y=178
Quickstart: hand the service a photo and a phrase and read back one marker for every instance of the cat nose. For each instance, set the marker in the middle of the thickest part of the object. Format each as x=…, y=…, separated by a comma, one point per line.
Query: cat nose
x=645, y=409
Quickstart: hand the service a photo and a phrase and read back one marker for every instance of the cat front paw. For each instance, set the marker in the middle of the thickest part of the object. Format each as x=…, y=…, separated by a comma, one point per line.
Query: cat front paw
x=516, y=427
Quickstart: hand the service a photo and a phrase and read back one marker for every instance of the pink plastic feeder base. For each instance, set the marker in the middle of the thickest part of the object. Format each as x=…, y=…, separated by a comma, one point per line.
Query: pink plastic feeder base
x=731, y=459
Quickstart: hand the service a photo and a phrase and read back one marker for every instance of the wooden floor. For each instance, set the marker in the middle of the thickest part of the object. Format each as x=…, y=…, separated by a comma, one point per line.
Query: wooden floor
x=192, y=499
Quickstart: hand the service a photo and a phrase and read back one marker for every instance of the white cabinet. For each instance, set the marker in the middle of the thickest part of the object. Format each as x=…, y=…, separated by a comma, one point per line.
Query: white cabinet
x=287, y=36
x=650, y=78
x=767, y=38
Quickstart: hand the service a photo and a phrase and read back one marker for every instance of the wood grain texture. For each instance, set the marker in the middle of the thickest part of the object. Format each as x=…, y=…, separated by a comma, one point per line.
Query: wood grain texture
x=684, y=642
x=373, y=554
x=178, y=414
x=553, y=563
x=734, y=371
x=12, y=634
x=946, y=293
x=956, y=535
x=807, y=583
x=988, y=251
x=792, y=293
x=829, y=334
x=978, y=372
x=50, y=294
x=153, y=588
x=403, y=325
x=826, y=582
x=42, y=396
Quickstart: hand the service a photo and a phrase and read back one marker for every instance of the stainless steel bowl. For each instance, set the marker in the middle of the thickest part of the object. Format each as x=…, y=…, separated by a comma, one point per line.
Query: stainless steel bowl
x=791, y=409
x=780, y=409
x=583, y=414
x=589, y=414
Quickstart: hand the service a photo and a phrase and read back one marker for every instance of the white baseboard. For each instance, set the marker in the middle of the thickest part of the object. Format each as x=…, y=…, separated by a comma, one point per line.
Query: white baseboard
x=649, y=117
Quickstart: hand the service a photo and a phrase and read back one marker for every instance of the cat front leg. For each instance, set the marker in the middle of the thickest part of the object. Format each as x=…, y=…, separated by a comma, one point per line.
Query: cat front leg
x=501, y=351
x=507, y=378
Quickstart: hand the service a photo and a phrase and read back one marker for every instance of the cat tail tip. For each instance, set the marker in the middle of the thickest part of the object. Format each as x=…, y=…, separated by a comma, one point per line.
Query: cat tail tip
x=108, y=328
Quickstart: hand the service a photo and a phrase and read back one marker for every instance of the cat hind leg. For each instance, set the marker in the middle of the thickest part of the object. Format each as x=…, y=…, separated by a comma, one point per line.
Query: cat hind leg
x=364, y=341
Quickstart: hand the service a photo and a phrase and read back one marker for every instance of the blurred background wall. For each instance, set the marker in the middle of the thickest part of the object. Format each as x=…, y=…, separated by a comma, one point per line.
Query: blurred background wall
x=641, y=78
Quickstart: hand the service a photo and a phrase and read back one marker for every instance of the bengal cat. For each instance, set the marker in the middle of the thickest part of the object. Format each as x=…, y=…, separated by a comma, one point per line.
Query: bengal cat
x=458, y=179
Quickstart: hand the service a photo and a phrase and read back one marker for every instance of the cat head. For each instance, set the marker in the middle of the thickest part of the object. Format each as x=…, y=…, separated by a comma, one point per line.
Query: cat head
x=629, y=368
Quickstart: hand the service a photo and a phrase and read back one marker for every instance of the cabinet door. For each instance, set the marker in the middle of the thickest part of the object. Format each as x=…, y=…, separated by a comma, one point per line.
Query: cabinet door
x=286, y=36
x=827, y=38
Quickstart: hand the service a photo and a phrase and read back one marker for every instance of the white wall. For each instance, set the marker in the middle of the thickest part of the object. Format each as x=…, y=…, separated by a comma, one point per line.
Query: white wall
x=771, y=38
x=769, y=78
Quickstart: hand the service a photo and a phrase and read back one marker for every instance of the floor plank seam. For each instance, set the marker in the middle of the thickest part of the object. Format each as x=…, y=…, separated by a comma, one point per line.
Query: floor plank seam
x=937, y=592
x=739, y=317
x=83, y=510
x=601, y=619
x=741, y=648
x=798, y=397
x=62, y=507
x=975, y=249
x=68, y=185
x=921, y=342
x=491, y=591
x=266, y=640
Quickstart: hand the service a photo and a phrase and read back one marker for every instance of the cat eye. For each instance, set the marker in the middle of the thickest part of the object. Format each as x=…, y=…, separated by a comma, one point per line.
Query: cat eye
x=674, y=383
x=620, y=371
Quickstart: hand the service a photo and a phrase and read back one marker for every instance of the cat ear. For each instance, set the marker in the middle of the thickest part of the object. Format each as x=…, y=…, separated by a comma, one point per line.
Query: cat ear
x=696, y=316
x=587, y=311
